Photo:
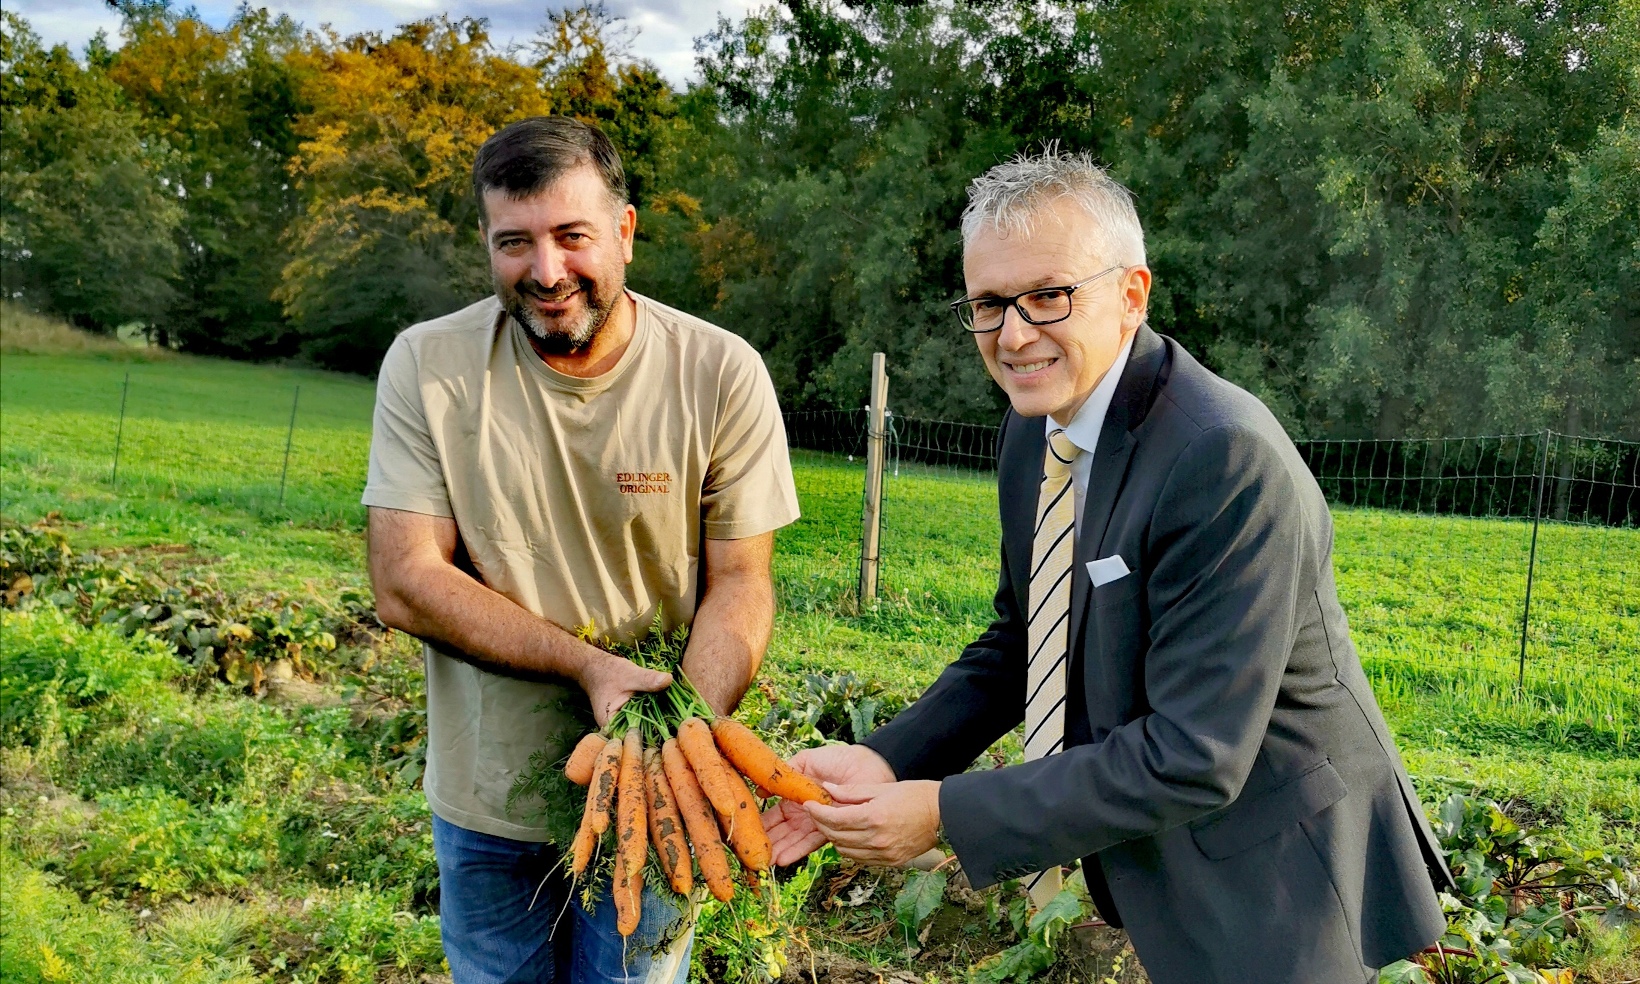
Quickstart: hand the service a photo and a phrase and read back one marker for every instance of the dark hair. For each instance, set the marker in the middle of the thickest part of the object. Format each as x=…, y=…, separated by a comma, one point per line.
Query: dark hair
x=526, y=157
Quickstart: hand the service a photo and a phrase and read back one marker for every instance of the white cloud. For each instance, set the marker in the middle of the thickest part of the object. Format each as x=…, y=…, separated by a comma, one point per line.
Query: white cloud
x=71, y=22
x=665, y=31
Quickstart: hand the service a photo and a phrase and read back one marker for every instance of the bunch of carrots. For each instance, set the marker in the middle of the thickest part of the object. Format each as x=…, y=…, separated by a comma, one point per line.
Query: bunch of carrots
x=660, y=777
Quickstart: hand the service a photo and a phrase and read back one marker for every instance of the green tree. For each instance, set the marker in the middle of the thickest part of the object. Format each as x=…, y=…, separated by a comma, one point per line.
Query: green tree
x=1348, y=204
x=86, y=222
x=227, y=102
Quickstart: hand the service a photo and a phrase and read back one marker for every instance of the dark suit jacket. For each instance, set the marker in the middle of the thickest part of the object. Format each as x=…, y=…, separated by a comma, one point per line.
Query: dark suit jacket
x=1228, y=779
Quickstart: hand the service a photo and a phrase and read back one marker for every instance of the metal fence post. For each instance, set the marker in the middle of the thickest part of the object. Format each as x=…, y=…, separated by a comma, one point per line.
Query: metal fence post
x=871, y=521
x=119, y=430
x=1531, y=557
x=289, y=434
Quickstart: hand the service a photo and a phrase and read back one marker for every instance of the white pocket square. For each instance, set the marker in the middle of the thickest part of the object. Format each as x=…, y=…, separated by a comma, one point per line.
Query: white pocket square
x=1107, y=569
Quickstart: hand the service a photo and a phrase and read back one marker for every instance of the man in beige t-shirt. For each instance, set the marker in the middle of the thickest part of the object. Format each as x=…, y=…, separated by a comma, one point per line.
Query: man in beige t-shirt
x=565, y=453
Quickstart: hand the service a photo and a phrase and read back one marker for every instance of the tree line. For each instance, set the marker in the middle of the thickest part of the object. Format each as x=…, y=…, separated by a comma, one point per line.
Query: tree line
x=1383, y=218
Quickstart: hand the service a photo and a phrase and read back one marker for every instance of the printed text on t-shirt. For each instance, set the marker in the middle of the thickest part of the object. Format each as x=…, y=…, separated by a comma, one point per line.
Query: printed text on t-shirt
x=643, y=483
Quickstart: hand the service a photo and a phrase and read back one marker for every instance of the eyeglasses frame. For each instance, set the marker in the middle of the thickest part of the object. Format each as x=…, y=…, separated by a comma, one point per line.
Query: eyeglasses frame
x=1013, y=302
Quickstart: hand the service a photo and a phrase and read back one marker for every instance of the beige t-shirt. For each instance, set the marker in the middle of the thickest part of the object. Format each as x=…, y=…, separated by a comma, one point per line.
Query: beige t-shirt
x=582, y=500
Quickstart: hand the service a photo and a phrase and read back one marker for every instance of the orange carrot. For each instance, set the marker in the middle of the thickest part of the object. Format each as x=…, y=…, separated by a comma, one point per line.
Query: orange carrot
x=579, y=767
x=606, y=772
x=631, y=837
x=698, y=820
x=666, y=826
x=585, y=841
x=728, y=793
x=758, y=762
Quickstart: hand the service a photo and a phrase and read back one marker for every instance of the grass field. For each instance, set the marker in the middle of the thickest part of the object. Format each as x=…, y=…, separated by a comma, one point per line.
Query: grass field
x=252, y=801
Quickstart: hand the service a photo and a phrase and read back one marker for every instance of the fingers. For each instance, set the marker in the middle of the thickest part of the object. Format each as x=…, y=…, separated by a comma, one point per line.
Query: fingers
x=792, y=833
x=846, y=793
x=655, y=680
x=795, y=850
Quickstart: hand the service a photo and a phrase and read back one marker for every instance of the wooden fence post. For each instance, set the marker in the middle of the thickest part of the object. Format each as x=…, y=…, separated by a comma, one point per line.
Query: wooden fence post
x=872, y=520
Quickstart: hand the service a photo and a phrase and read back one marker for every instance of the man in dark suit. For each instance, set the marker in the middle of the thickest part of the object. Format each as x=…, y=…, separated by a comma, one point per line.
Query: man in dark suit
x=1198, y=728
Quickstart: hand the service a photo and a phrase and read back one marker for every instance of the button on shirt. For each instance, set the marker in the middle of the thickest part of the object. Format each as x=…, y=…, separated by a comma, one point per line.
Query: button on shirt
x=1089, y=421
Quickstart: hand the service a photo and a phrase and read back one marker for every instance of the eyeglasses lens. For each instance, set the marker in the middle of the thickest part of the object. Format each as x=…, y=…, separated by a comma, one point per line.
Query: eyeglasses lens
x=1040, y=307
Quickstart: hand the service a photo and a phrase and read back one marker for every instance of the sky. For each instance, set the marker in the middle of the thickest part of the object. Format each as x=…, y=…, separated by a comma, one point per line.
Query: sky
x=665, y=30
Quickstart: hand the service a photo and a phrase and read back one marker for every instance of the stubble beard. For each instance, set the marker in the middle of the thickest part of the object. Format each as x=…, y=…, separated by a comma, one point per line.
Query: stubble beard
x=568, y=333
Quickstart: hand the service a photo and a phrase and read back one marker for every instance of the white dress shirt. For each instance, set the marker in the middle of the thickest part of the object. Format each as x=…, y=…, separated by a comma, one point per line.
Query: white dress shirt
x=1089, y=421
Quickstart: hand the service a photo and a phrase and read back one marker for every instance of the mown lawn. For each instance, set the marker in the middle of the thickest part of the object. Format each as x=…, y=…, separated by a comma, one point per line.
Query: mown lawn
x=1434, y=603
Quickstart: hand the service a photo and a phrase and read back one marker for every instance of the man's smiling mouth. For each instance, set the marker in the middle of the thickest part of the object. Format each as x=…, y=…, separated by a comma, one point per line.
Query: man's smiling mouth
x=1026, y=368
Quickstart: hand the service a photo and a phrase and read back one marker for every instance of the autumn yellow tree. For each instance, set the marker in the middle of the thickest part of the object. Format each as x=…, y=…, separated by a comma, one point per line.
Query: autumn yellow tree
x=388, y=232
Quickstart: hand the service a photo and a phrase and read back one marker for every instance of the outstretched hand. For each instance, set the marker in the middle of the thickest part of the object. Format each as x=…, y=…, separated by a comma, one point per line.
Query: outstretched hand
x=792, y=831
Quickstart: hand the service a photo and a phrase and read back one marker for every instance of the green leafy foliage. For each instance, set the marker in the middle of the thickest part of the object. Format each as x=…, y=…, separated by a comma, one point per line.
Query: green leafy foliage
x=831, y=707
x=917, y=899
x=81, y=191
x=748, y=938
x=1521, y=895
x=57, y=680
x=214, y=631
x=225, y=101
x=1035, y=952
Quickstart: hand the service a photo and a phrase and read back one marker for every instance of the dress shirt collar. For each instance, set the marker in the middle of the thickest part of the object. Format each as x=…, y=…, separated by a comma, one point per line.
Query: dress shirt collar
x=1090, y=420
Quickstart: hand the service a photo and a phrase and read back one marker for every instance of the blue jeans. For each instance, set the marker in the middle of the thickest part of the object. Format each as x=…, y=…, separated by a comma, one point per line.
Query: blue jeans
x=493, y=935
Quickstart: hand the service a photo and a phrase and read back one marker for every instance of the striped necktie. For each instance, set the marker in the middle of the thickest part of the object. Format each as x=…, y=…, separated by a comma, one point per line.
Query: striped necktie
x=1052, y=549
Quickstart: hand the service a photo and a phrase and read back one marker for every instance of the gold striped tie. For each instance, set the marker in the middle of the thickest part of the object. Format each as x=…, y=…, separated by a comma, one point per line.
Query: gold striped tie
x=1052, y=549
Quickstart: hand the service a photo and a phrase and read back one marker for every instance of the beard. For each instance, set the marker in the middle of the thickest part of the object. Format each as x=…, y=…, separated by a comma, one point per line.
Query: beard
x=571, y=331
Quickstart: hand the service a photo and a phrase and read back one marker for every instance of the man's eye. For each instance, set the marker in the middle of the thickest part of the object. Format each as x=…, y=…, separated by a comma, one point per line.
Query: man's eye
x=989, y=304
x=510, y=244
x=574, y=237
x=1050, y=296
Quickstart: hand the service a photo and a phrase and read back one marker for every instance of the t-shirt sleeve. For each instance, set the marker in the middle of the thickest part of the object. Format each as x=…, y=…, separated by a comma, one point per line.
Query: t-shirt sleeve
x=749, y=488
x=405, y=470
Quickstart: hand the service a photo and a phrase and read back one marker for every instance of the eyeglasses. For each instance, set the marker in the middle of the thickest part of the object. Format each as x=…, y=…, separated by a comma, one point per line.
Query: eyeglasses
x=1042, y=306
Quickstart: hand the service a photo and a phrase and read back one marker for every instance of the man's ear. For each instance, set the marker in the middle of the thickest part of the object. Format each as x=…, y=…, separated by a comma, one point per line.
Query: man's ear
x=1135, y=297
x=628, y=230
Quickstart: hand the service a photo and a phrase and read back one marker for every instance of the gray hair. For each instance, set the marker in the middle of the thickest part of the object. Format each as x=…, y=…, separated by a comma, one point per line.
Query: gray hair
x=1011, y=197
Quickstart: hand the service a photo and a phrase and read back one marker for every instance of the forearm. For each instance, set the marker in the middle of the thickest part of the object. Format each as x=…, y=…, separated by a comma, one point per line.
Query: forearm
x=729, y=637
x=441, y=604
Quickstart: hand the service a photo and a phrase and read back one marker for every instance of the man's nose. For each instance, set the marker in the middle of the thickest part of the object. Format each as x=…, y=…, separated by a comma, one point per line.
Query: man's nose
x=548, y=265
x=1016, y=332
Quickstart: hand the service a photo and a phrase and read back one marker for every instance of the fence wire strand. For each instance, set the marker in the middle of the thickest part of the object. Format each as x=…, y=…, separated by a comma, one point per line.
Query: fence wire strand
x=1433, y=549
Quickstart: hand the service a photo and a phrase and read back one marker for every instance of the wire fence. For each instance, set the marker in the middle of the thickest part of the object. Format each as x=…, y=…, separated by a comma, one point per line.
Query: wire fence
x=1510, y=560
x=1507, y=561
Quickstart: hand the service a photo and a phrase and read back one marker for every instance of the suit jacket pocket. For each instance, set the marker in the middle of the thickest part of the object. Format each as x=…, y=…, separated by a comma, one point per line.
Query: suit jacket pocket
x=1124, y=588
x=1250, y=821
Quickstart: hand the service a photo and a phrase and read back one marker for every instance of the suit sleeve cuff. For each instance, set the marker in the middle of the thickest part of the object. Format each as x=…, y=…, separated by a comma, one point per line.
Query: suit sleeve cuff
x=974, y=846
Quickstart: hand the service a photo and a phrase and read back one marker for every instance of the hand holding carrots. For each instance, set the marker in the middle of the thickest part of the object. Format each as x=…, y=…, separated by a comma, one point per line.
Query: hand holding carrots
x=883, y=824
x=610, y=681
x=667, y=793
x=792, y=831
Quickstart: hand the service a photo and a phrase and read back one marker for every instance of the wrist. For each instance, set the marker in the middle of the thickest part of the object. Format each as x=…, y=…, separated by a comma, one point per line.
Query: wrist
x=876, y=757
x=590, y=663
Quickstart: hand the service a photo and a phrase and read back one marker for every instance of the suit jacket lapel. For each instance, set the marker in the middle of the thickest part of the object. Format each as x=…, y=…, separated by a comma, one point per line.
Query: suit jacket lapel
x=1128, y=407
x=1019, y=480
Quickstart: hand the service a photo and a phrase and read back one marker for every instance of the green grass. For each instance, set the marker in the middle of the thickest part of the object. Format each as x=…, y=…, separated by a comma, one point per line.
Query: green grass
x=243, y=792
